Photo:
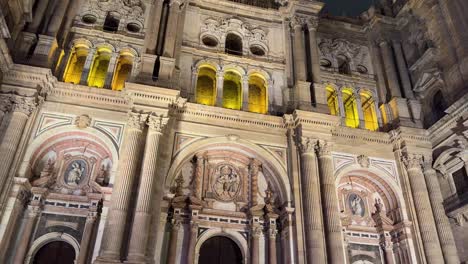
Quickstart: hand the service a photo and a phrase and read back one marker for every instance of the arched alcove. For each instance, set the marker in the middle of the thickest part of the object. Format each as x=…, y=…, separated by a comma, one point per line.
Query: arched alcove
x=332, y=101
x=233, y=44
x=368, y=110
x=122, y=70
x=350, y=108
x=232, y=90
x=55, y=252
x=220, y=250
x=75, y=64
x=206, y=85
x=257, y=94
x=98, y=71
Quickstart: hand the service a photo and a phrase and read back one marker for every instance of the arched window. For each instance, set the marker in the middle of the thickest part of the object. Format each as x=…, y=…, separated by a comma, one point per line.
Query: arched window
x=206, y=86
x=332, y=101
x=112, y=22
x=257, y=94
x=232, y=90
x=343, y=65
x=350, y=107
x=98, y=73
x=369, y=111
x=122, y=71
x=233, y=44
x=75, y=65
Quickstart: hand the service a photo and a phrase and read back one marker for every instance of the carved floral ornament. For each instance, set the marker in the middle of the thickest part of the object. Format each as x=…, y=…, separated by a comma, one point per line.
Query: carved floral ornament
x=219, y=27
x=25, y=105
x=83, y=121
x=130, y=10
x=227, y=182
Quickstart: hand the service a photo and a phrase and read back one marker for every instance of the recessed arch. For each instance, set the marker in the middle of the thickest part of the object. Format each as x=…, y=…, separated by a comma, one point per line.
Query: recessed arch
x=51, y=237
x=231, y=234
x=258, y=93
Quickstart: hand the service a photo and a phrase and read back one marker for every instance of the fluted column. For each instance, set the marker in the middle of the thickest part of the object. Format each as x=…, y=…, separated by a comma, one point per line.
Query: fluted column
x=38, y=15
x=390, y=68
x=151, y=36
x=86, y=239
x=377, y=63
x=192, y=243
x=423, y=209
x=23, y=247
x=128, y=164
x=142, y=218
x=272, y=255
x=172, y=254
x=311, y=202
x=256, y=233
x=312, y=25
x=57, y=18
x=245, y=93
x=403, y=70
x=21, y=109
x=299, y=49
x=219, y=88
x=87, y=66
x=331, y=217
x=447, y=241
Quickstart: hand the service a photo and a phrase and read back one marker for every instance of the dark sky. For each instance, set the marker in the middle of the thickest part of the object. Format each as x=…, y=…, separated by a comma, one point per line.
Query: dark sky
x=346, y=7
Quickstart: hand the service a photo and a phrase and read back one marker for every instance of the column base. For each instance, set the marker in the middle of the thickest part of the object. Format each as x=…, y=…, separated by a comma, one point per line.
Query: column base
x=302, y=99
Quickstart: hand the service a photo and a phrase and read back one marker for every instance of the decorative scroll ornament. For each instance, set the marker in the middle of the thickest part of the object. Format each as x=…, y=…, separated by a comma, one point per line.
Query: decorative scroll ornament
x=226, y=183
x=136, y=120
x=83, y=121
x=24, y=105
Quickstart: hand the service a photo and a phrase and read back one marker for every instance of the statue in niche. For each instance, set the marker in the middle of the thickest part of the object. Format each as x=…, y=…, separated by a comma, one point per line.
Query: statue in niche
x=103, y=176
x=356, y=205
x=75, y=173
x=227, y=183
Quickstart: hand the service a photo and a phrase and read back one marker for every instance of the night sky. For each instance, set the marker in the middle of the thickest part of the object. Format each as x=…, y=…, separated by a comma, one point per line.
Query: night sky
x=346, y=7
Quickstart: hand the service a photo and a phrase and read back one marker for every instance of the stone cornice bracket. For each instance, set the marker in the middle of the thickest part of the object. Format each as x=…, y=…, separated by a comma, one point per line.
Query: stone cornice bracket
x=289, y=121
x=157, y=123
x=136, y=120
x=179, y=103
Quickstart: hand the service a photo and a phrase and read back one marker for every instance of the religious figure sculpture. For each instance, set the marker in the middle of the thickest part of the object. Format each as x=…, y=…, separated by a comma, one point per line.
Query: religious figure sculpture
x=75, y=174
x=356, y=205
x=227, y=183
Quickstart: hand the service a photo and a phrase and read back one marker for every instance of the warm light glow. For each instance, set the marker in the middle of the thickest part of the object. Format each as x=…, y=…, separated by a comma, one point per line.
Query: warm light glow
x=369, y=112
x=257, y=94
x=122, y=71
x=75, y=65
x=206, y=86
x=98, y=73
x=232, y=90
x=332, y=101
x=350, y=107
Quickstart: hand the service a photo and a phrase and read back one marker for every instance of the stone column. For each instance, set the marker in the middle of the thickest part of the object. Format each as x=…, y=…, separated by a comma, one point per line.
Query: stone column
x=192, y=243
x=172, y=25
x=23, y=247
x=111, y=71
x=311, y=202
x=256, y=233
x=339, y=96
x=57, y=18
x=362, y=123
x=377, y=63
x=390, y=69
x=172, y=254
x=388, y=252
x=86, y=239
x=153, y=29
x=41, y=7
x=142, y=218
x=200, y=166
x=192, y=97
x=87, y=66
x=299, y=50
x=333, y=236
x=288, y=237
x=21, y=109
x=245, y=93
x=272, y=255
x=254, y=168
x=128, y=164
x=427, y=225
x=312, y=25
x=403, y=70
x=447, y=241
x=219, y=88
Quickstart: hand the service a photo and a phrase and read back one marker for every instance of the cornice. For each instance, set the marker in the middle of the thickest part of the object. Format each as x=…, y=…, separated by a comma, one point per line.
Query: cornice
x=28, y=79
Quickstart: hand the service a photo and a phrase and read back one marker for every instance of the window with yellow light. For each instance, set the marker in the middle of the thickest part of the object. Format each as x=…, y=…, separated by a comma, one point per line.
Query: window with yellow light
x=98, y=72
x=257, y=94
x=206, y=86
x=75, y=65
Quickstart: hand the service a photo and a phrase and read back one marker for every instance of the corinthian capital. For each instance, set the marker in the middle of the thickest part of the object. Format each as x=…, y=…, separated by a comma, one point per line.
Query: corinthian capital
x=307, y=145
x=323, y=148
x=157, y=123
x=136, y=120
x=23, y=105
x=312, y=23
x=413, y=161
x=297, y=21
x=5, y=104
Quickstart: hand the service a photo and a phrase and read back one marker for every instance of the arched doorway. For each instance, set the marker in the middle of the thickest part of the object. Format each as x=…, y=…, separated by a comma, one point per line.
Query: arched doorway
x=56, y=252
x=220, y=250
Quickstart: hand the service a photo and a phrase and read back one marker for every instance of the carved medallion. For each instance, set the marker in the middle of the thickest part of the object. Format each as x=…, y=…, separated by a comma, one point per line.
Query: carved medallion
x=356, y=205
x=227, y=183
x=75, y=173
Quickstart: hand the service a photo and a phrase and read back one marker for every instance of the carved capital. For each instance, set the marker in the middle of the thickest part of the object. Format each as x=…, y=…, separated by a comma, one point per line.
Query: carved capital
x=255, y=166
x=413, y=161
x=5, y=104
x=312, y=23
x=136, y=120
x=257, y=231
x=297, y=21
x=307, y=145
x=323, y=148
x=33, y=211
x=289, y=121
x=23, y=105
x=157, y=123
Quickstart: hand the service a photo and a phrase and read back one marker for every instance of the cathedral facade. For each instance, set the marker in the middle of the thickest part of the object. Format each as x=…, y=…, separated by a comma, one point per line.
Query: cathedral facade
x=233, y=131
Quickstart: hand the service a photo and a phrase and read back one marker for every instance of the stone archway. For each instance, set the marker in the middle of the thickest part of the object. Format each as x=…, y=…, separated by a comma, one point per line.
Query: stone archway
x=220, y=250
x=55, y=252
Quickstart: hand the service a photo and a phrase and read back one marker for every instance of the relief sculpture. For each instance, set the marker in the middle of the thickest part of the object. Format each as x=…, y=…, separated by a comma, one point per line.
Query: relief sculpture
x=227, y=183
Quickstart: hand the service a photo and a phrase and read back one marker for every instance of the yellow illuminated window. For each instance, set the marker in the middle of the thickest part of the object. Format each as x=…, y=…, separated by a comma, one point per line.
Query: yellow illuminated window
x=350, y=107
x=206, y=86
x=98, y=73
x=122, y=71
x=369, y=111
x=232, y=90
x=257, y=94
x=332, y=101
x=75, y=65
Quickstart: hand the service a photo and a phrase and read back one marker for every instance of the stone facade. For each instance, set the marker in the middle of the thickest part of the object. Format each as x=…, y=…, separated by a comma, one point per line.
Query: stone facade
x=136, y=131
